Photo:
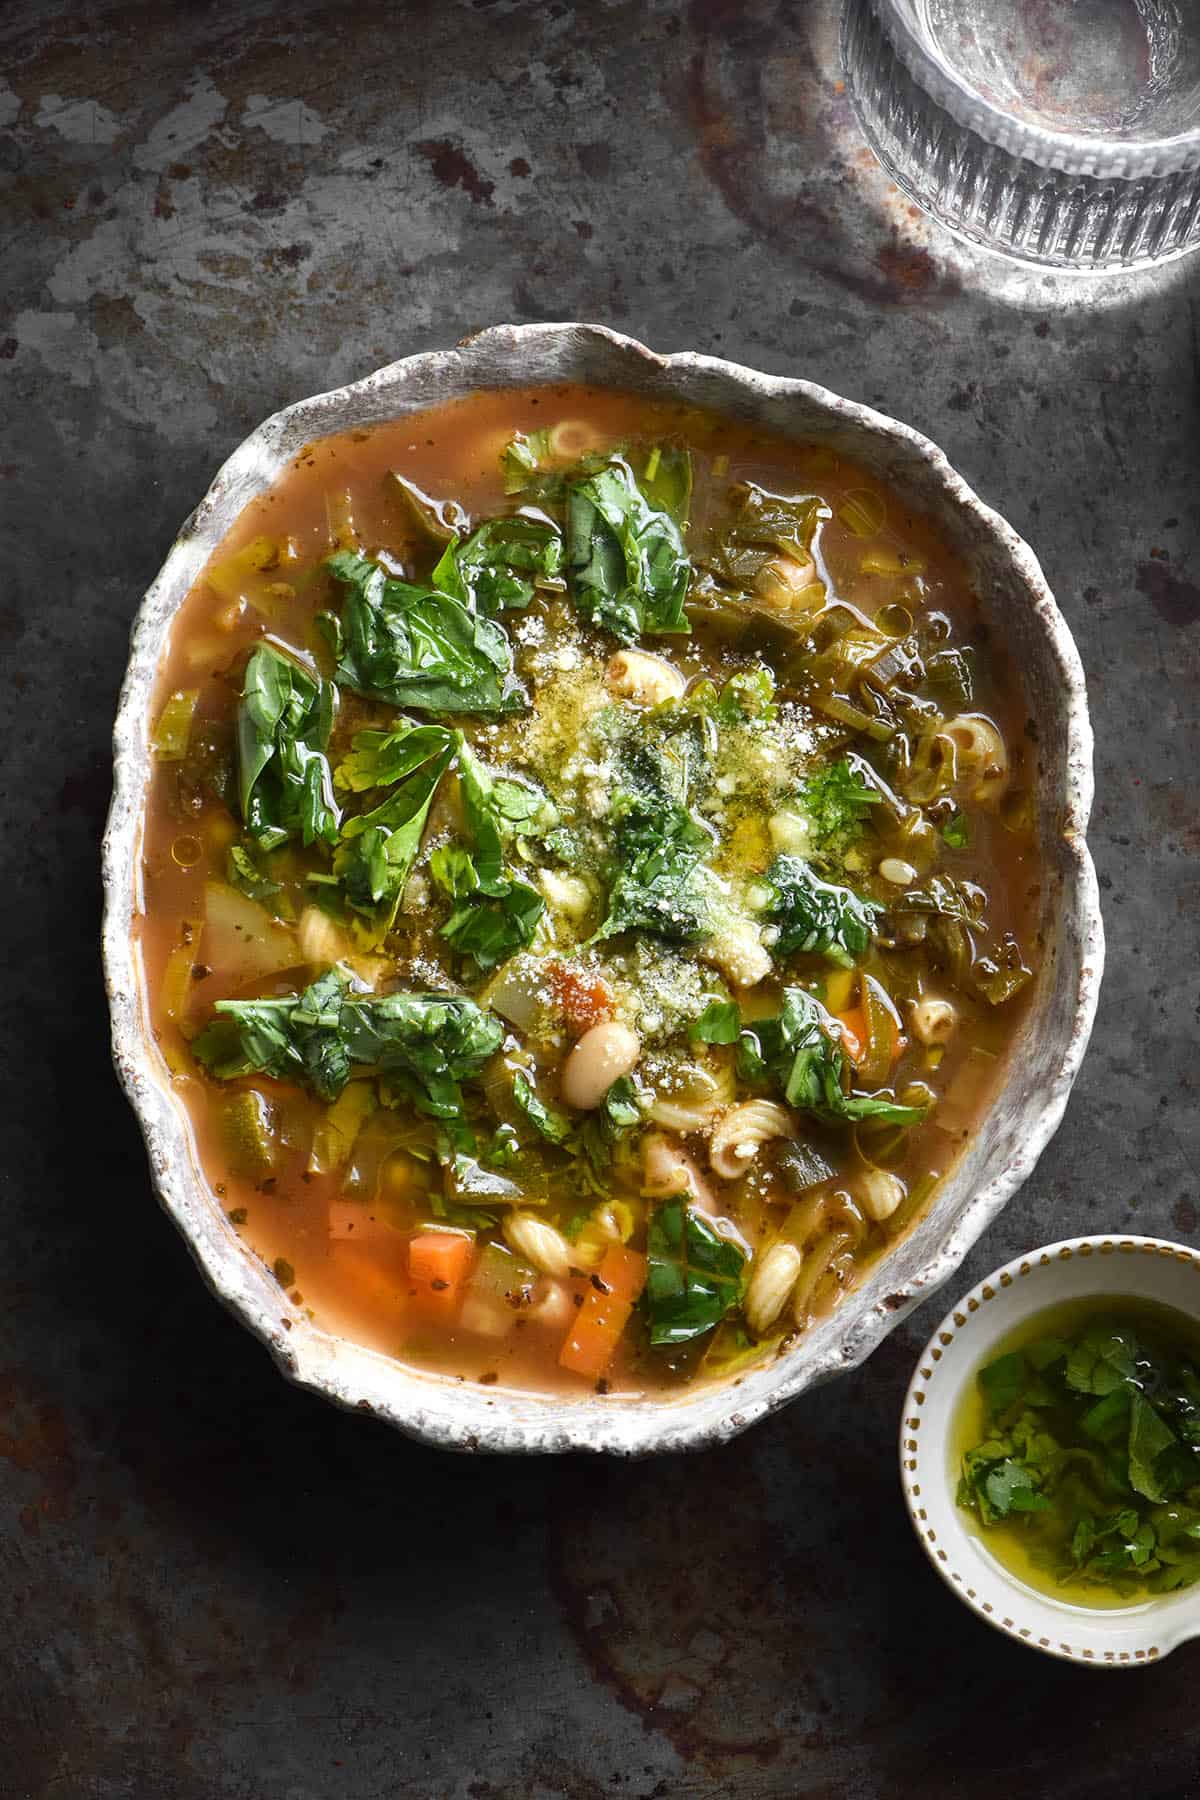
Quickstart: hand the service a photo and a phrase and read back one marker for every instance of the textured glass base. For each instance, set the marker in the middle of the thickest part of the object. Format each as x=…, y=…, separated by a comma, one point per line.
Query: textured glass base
x=1000, y=200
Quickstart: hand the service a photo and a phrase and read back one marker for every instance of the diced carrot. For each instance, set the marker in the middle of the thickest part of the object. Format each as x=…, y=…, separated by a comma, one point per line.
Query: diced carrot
x=438, y=1265
x=583, y=998
x=854, y=1032
x=602, y=1318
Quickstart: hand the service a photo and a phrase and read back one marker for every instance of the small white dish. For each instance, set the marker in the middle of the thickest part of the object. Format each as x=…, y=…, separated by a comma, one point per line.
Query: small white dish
x=1127, y=1267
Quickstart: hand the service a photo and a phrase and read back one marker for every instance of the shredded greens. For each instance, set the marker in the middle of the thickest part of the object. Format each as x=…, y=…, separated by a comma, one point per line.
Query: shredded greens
x=1092, y=1442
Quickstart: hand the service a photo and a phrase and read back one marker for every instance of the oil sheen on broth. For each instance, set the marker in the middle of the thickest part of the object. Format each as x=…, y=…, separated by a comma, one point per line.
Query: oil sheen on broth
x=590, y=884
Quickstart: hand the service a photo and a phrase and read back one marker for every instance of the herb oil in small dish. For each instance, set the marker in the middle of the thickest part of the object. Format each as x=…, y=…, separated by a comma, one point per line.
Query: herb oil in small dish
x=1050, y=1449
x=1078, y=1451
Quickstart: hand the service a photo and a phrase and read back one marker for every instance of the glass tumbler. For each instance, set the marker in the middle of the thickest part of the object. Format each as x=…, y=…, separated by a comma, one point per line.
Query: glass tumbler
x=1058, y=132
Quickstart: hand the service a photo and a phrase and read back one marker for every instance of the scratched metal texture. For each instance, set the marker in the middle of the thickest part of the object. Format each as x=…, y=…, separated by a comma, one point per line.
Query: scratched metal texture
x=217, y=1588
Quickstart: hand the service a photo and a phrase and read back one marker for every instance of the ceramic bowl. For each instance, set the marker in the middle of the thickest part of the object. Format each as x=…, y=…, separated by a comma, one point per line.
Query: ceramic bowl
x=1021, y=611
x=1127, y=1267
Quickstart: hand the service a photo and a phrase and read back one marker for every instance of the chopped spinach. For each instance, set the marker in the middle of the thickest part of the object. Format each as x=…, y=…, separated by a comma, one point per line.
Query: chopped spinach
x=547, y=1120
x=495, y=914
x=498, y=567
x=284, y=720
x=378, y=848
x=413, y=647
x=694, y=1276
x=719, y=1023
x=799, y=1051
x=422, y=1045
x=759, y=526
x=817, y=917
x=629, y=570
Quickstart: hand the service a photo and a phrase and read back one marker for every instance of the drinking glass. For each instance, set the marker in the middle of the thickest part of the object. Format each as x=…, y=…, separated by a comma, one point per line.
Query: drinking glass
x=1059, y=132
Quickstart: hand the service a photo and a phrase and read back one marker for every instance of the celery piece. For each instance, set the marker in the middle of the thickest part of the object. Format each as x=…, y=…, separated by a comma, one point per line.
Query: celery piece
x=337, y=1128
x=248, y=1130
x=174, y=728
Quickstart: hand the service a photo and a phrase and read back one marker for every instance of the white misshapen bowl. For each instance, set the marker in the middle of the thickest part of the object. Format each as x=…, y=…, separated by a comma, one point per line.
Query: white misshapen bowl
x=1129, y=1268
x=1018, y=606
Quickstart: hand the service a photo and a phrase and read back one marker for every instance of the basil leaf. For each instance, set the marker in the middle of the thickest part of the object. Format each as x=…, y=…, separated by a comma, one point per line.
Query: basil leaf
x=628, y=566
x=694, y=1275
x=412, y=647
x=499, y=566
x=817, y=917
x=284, y=719
x=797, y=1051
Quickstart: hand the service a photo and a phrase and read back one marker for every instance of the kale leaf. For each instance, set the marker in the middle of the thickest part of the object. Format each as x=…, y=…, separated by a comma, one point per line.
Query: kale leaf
x=629, y=569
x=422, y=1045
x=817, y=917
x=284, y=719
x=413, y=647
x=547, y=1120
x=694, y=1275
x=660, y=884
x=798, y=1050
x=498, y=567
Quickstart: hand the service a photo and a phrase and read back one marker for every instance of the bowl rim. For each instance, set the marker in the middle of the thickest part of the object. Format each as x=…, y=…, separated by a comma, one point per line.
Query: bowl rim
x=1175, y=1617
x=351, y=1375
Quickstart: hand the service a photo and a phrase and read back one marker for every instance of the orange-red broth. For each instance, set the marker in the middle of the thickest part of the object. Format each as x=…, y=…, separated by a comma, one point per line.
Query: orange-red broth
x=345, y=1265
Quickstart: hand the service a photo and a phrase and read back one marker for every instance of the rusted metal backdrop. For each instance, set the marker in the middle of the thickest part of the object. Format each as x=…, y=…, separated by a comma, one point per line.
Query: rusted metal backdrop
x=216, y=1588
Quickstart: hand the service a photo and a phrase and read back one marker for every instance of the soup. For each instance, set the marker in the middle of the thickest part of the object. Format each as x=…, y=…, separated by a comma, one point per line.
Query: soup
x=590, y=884
x=1077, y=1451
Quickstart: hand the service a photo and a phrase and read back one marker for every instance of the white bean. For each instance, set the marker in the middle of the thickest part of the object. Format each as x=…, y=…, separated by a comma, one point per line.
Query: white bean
x=772, y=1278
x=539, y=1243
x=648, y=680
x=879, y=1193
x=933, y=1020
x=601, y=1056
x=739, y=1134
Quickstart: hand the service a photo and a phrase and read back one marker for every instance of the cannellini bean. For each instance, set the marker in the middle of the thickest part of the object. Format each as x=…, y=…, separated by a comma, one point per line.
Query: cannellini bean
x=738, y=951
x=933, y=1020
x=539, y=1243
x=601, y=1056
x=646, y=679
x=897, y=871
x=772, y=1278
x=667, y=1169
x=739, y=1134
x=879, y=1193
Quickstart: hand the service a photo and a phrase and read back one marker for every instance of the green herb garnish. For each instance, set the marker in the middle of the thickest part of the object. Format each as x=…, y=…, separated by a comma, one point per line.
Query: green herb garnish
x=283, y=725
x=816, y=916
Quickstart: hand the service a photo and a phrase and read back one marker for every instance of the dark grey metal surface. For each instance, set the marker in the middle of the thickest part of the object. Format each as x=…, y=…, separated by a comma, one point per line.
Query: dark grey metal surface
x=217, y=1588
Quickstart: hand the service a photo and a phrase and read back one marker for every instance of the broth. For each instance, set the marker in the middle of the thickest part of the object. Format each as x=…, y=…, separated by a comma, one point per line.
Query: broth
x=786, y=870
